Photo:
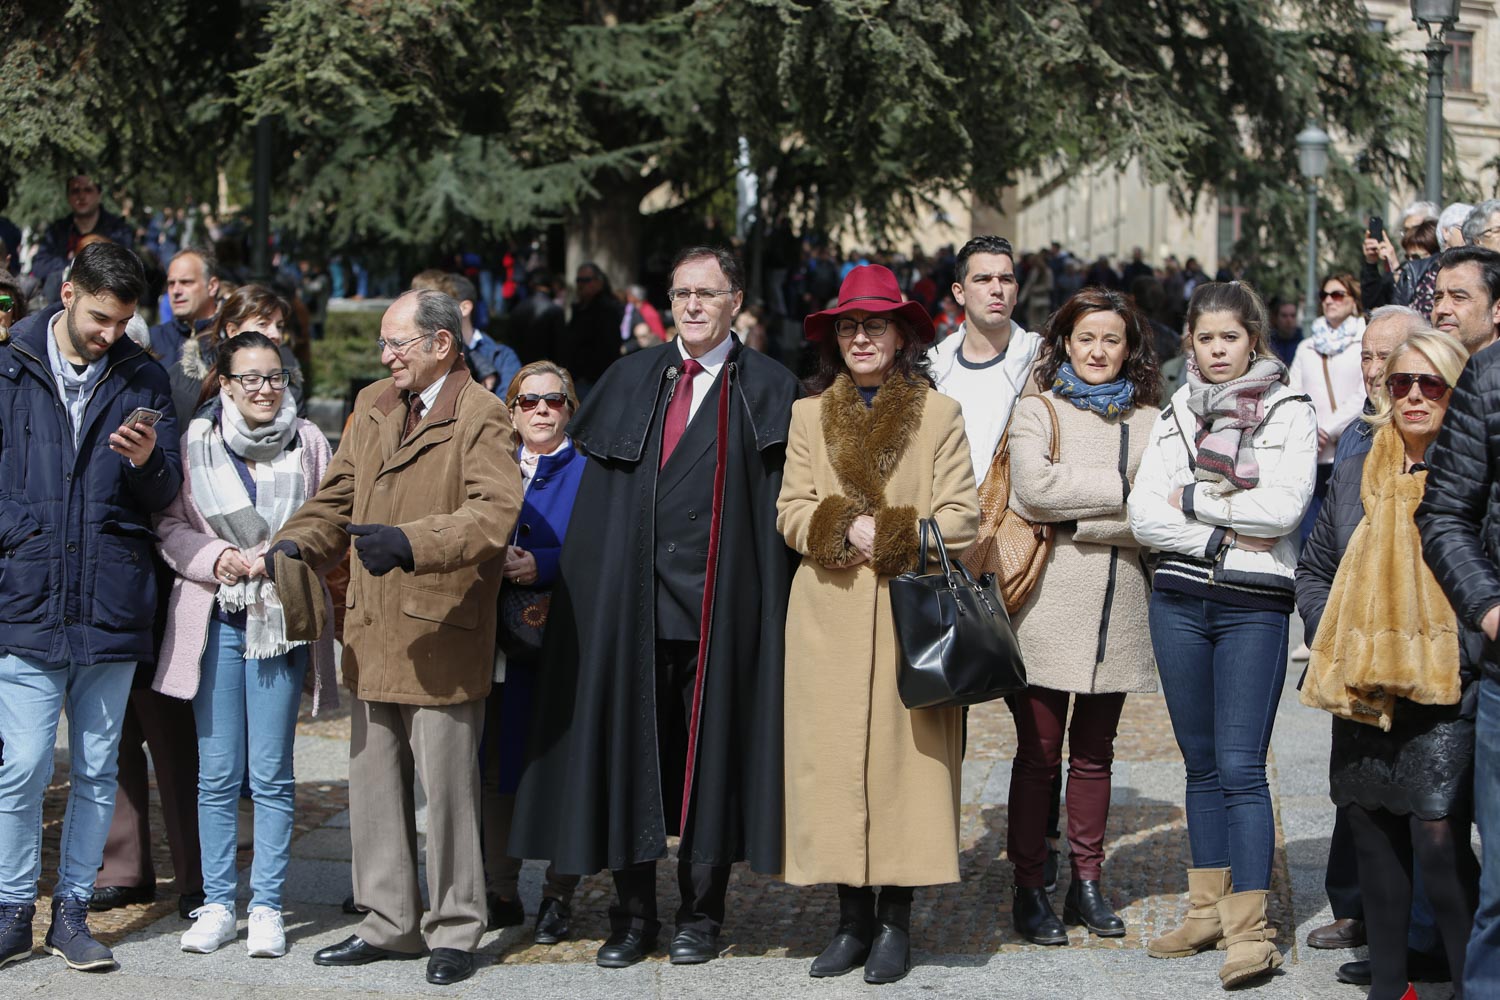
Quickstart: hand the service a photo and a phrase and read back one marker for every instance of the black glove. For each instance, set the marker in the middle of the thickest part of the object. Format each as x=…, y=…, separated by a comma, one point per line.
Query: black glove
x=381, y=548
x=291, y=550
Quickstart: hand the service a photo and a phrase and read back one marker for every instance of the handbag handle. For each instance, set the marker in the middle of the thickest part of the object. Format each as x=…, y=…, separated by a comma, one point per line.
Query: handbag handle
x=930, y=524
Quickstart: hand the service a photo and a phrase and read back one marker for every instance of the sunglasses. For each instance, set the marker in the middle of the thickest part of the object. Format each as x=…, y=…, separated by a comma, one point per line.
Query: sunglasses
x=1399, y=385
x=1337, y=295
x=528, y=400
x=6, y=302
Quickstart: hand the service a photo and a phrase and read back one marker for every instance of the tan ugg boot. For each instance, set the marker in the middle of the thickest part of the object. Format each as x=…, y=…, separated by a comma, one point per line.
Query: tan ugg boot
x=1251, y=953
x=1200, y=931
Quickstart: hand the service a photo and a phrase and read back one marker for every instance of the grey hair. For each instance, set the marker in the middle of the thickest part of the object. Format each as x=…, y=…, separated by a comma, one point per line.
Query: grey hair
x=1409, y=319
x=1424, y=210
x=638, y=291
x=1452, y=218
x=435, y=311
x=1478, y=219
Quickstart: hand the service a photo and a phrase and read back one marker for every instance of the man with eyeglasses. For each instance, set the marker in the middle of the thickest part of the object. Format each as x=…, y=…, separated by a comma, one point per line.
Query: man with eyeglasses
x=660, y=711
x=1466, y=298
x=591, y=341
x=82, y=470
x=60, y=241
x=428, y=468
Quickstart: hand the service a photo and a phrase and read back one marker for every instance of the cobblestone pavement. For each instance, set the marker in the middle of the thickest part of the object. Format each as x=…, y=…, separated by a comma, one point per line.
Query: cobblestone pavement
x=963, y=935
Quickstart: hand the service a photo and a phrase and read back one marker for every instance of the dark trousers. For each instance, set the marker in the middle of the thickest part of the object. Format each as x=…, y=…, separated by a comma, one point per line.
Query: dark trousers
x=1341, y=880
x=703, y=887
x=166, y=726
x=1041, y=715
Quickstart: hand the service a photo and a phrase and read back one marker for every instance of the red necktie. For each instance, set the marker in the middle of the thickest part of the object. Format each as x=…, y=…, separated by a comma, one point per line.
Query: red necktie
x=415, y=406
x=677, y=409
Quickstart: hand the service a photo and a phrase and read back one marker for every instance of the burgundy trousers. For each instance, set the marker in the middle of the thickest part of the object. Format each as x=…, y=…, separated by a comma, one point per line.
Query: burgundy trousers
x=1041, y=716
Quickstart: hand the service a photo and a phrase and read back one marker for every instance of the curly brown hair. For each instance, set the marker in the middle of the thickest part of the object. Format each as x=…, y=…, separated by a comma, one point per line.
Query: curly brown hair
x=1140, y=367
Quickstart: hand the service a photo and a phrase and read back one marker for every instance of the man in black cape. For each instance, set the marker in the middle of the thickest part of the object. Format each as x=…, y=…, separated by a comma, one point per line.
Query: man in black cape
x=659, y=711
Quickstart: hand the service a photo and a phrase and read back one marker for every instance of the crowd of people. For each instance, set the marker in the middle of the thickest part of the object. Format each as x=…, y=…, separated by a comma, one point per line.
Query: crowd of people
x=623, y=578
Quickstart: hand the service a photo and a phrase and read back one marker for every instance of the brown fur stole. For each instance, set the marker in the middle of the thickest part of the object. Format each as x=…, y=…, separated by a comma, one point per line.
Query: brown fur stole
x=865, y=444
x=1388, y=630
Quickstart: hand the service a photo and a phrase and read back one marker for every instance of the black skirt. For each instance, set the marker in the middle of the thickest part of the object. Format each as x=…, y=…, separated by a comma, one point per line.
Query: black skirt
x=1423, y=767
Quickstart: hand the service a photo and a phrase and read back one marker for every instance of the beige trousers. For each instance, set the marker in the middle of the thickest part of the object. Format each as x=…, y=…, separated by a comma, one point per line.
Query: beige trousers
x=389, y=743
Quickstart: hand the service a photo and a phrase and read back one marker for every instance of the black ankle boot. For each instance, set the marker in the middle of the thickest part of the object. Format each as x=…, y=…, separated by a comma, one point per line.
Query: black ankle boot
x=851, y=942
x=1034, y=917
x=890, y=954
x=1085, y=905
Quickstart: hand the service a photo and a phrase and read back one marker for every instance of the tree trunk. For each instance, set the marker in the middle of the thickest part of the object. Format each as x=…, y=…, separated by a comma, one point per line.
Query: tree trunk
x=607, y=231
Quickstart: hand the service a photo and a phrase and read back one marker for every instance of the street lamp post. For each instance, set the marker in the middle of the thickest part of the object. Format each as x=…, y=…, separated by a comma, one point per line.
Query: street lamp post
x=1312, y=157
x=1435, y=17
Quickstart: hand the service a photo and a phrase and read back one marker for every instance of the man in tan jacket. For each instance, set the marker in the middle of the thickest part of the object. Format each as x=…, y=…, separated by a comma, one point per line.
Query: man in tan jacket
x=426, y=483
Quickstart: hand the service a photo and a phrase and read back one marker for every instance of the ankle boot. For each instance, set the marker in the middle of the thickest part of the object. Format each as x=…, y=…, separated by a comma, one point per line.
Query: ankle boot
x=1201, y=930
x=1035, y=919
x=851, y=941
x=1250, y=953
x=1085, y=905
x=890, y=954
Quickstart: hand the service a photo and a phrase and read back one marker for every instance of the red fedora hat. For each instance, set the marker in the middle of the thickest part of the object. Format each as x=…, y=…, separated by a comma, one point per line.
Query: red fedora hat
x=874, y=289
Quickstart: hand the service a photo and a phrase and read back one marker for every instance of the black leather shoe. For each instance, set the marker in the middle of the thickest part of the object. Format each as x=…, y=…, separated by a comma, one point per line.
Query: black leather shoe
x=187, y=903
x=625, y=948
x=112, y=897
x=851, y=942
x=890, y=952
x=448, y=966
x=1342, y=933
x=551, y=921
x=505, y=912
x=1085, y=905
x=1420, y=968
x=693, y=946
x=355, y=950
x=1035, y=919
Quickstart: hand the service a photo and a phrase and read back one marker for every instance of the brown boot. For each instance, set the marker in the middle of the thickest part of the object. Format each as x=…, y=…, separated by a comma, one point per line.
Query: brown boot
x=1200, y=931
x=1251, y=953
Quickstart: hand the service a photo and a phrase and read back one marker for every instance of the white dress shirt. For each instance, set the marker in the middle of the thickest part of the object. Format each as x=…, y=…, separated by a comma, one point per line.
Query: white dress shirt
x=713, y=363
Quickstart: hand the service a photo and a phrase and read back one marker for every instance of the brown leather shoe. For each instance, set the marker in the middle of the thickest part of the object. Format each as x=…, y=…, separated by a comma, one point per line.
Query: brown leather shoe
x=1345, y=933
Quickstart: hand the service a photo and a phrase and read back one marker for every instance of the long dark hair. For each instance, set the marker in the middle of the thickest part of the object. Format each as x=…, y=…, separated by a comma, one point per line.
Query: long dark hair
x=1140, y=367
x=911, y=362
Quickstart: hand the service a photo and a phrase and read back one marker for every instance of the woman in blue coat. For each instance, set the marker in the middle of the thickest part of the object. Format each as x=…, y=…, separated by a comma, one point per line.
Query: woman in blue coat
x=541, y=400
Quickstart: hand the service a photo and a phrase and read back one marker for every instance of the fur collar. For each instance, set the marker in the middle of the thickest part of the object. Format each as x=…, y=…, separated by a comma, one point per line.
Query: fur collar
x=193, y=363
x=865, y=444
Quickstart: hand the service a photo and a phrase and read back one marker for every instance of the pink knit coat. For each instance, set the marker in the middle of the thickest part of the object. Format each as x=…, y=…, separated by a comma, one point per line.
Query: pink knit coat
x=191, y=549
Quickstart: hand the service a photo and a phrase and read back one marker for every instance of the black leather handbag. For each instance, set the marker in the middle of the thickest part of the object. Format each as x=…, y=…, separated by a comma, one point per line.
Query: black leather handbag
x=956, y=642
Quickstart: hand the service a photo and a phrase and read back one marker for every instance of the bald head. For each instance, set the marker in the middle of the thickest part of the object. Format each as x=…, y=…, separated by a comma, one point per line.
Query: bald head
x=1388, y=328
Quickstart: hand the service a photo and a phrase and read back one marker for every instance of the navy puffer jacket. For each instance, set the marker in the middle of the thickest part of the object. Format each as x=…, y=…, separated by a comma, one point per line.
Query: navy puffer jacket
x=1460, y=513
x=76, y=578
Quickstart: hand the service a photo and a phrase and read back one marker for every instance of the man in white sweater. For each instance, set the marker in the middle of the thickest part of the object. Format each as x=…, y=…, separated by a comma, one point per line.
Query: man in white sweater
x=985, y=363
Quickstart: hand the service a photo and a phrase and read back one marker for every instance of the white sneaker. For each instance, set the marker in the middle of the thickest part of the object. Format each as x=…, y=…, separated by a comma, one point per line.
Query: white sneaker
x=267, y=937
x=1301, y=654
x=214, y=927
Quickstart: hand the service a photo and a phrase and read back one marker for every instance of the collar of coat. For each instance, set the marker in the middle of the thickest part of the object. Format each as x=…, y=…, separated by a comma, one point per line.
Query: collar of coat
x=865, y=443
x=616, y=418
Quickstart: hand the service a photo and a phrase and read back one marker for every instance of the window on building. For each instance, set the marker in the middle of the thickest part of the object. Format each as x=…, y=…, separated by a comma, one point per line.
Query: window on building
x=1376, y=25
x=1460, y=71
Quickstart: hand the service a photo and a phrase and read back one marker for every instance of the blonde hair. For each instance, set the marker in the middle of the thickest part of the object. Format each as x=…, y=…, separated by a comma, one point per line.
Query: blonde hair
x=543, y=367
x=1442, y=350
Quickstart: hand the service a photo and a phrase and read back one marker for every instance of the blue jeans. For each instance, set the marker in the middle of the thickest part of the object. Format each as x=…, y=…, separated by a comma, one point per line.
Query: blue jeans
x=31, y=696
x=1222, y=670
x=231, y=692
x=1482, y=960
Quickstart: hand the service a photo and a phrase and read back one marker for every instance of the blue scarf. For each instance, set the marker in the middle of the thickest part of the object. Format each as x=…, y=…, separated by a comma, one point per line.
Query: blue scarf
x=1110, y=399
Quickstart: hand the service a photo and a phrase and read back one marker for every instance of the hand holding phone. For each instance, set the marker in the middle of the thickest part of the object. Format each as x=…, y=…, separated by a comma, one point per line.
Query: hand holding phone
x=1377, y=228
x=143, y=415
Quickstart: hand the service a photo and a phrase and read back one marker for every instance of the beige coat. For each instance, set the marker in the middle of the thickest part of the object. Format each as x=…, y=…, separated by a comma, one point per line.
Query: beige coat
x=1076, y=635
x=872, y=789
x=454, y=489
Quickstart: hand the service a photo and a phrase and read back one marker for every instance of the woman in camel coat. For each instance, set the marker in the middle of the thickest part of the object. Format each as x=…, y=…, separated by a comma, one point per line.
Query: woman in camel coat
x=872, y=788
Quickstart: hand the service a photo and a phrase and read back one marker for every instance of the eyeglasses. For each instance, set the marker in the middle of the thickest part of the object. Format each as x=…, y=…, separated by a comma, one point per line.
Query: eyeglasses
x=254, y=380
x=874, y=327
x=584, y=279
x=528, y=400
x=1337, y=295
x=705, y=295
x=399, y=347
x=1399, y=385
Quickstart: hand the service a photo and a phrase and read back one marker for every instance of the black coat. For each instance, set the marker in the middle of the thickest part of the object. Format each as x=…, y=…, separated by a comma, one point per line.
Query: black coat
x=1457, y=518
x=591, y=794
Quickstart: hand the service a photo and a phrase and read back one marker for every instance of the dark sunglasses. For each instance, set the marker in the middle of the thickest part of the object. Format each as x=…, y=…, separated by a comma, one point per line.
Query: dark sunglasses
x=528, y=400
x=1337, y=295
x=1432, y=386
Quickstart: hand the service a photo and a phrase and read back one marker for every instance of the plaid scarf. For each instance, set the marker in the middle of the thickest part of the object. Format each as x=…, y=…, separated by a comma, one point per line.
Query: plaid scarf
x=1228, y=413
x=221, y=497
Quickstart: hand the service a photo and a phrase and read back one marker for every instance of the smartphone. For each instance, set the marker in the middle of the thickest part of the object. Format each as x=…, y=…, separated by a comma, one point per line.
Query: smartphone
x=142, y=415
x=1377, y=228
